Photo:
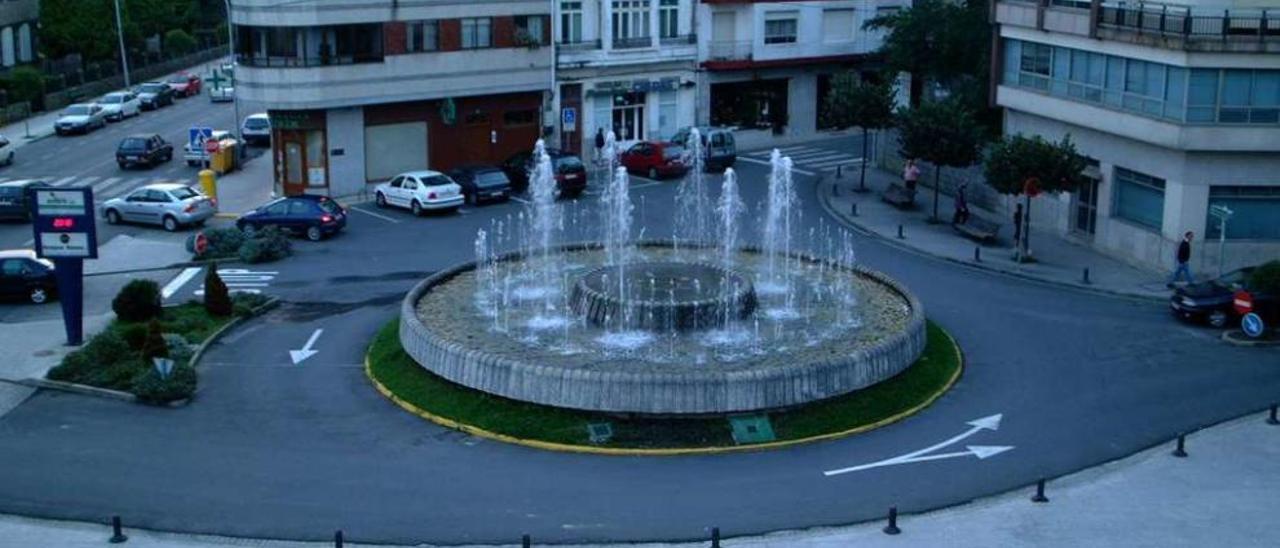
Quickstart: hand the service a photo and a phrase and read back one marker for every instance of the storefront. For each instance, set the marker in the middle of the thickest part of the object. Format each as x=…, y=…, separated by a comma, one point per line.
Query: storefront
x=637, y=109
x=298, y=147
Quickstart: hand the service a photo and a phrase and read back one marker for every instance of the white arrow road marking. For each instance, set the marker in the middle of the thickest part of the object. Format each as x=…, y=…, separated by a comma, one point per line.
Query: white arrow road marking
x=981, y=451
x=298, y=355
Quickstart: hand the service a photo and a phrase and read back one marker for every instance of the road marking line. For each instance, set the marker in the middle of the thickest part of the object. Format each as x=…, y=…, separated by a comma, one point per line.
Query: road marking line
x=175, y=284
x=818, y=157
x=521, y=200
x=28, y=243
x=766, y=163
x=833, y=163
x=378, y=215
x=64, y=181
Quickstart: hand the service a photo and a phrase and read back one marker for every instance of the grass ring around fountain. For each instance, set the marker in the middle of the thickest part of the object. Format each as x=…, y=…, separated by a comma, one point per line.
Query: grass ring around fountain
x=398, y=377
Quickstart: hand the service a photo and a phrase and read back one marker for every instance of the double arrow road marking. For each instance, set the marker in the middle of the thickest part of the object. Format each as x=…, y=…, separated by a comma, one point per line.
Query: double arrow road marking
x=981, y=451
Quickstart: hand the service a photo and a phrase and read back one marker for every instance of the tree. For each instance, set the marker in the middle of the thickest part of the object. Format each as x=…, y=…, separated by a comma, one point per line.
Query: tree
x=154, y=346
x=1054, y=167
x=217, y=299
x=942, y=133
x=854, y=102
x=178, y=42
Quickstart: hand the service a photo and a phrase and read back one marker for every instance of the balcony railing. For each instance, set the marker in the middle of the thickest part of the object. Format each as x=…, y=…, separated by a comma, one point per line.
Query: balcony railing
x=580, y=45
x=730, y=50
x=632, y=42
x=299, y=61
x=1189, y=22
x=685, y=39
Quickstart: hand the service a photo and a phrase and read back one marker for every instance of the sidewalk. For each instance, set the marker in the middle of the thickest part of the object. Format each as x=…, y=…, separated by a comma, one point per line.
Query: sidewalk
x=1222, y=494
x=246, y=188
x=1058, y=260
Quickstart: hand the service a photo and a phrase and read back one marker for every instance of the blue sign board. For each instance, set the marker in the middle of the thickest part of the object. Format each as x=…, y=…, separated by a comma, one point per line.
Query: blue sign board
x=569, y=117
x=66, y=232
x=196, y=137
x=1252, y=325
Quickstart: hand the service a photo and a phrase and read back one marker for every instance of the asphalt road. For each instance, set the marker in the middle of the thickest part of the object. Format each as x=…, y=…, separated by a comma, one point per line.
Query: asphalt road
x=272, y=449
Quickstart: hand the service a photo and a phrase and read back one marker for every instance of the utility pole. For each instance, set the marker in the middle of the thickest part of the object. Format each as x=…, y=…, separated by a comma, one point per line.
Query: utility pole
x=235, y=93
x=124, y=55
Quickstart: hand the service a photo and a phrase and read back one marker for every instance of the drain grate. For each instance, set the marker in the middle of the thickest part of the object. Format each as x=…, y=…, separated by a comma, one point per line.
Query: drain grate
x=600, y=432
x=751, y=429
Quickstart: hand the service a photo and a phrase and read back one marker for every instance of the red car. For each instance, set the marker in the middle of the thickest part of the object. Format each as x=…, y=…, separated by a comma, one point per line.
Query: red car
x=184, y=84
x=655, y=159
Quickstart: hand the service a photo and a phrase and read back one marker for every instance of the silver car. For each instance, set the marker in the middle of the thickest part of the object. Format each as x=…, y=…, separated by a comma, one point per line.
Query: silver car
x=170, y=205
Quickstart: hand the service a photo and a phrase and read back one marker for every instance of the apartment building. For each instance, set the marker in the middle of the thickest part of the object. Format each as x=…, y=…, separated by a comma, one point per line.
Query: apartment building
x=360, y=90
x=1178, y=107
x=766, y=66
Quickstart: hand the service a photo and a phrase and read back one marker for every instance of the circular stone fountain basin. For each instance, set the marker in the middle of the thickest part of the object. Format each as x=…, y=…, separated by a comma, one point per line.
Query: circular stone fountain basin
x=663, y=295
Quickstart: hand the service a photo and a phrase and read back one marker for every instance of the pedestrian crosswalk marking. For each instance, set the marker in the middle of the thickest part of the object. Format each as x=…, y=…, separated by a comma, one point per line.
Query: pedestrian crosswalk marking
x=845, y=161
x=64, y=181
x=104, y=188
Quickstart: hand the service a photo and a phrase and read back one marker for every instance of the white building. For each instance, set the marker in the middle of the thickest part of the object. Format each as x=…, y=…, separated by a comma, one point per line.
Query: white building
x=1178, y=106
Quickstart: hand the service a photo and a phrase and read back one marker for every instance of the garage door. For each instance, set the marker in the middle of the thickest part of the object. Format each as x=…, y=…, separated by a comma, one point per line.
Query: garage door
x=394, y=148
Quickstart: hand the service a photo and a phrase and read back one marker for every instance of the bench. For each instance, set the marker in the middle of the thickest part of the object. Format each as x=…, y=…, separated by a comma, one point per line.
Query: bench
x=978, y=228
x=899, y=196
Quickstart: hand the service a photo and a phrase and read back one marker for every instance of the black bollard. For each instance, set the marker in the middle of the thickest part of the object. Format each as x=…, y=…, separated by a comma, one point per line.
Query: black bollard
x=1181, y=450
x=1086, y=276
x=977, y=254
x=892, y=527
x=900, y=236
x=715, y=537
x=337, y=539
x=1039, y=496
x=854, y=209
x=1272, y=420
x=117, y=532
x=835, y=189
x=839, y=172
x=525, y=541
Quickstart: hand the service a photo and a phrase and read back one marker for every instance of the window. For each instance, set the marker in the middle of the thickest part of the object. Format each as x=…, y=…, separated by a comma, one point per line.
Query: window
x=837, y=25
x=1255, y=210
x=476, y=32
x=12, y=267
x=422, y=36
x=570, y=22
x=780, y=28
x=1202, y=96
x=631, y=23
x=397, y=182
x=519, y=117
x=1139, y=198
x=528, y=30
x=669, y=18
x=477, y=117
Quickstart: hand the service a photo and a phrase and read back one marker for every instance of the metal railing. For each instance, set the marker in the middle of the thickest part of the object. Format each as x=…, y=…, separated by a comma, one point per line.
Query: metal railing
x=632, y=43
x=729, y=50
x=580, y=45
x=684, y=39
x=1158, y=18
x=300, y=61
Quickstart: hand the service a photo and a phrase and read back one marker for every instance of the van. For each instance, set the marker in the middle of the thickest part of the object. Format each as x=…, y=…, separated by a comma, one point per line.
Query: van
x=719, y=149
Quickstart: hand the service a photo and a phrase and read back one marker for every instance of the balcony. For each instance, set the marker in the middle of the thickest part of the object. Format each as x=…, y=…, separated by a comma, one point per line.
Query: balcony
x=1199, y=29
x=682, y=40
x=729, y=50
x=633, y=42
x=300, y=61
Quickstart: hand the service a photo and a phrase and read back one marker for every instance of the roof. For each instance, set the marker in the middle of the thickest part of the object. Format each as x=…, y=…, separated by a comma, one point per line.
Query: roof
x=17, y=254
x=22, y=182
x=141, y=136
x=421, y=173
x=258, y=115
x=164, y=186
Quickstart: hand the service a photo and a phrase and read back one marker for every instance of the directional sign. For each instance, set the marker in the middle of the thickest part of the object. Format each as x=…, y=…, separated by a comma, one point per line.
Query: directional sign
x=980, y=451
x=298, y=356
x=196, y=136
x=1252, y=325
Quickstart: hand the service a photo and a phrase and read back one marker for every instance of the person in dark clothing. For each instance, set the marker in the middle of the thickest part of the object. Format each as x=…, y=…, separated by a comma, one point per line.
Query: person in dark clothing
x=599, y=141
x=1182, y=266
x=962, y=206
x=1017, y=225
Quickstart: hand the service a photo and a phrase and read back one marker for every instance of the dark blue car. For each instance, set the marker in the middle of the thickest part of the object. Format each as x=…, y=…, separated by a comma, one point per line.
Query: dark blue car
x=315, y=217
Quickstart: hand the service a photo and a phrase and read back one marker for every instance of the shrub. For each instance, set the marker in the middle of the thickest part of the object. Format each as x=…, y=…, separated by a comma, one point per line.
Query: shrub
x=223, y=243
x=246, y=303
x=150, y=387
x=135, y=335
x=178, y=42
x=139, y=301
x=180, y=350
x=73, y=366
x=106, y=348
x=155, y=346
x=54, y=82
x=271, y=245
x=217, y=301
x=25, y=84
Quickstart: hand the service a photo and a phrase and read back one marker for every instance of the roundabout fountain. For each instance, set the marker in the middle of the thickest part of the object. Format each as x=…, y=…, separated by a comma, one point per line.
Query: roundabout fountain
x=698, y=325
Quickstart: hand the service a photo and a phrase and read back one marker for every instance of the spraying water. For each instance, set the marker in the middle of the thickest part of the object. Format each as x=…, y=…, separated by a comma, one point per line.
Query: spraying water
x=730, y=209
x=544, y=218
x=693, y=204
x=777, y=228
x=616, y=218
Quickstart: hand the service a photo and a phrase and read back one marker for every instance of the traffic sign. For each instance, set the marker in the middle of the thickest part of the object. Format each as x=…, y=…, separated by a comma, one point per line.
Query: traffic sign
x=569, y=119
x=201, y=244
x=1252, y=325
x=196, y=136
x=1243, y=302
x=211, y=146
x=1032, y=187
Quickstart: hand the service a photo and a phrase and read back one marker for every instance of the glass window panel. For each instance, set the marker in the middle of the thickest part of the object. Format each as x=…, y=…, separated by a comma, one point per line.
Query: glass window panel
x=1236, y=87
x=1266, y=88
x=1202, y=88
x=1012, y=60
x=1135, y=80
x=1139, y=198
x=1061, y=63
x=1255, y=210
x=1175, y=93
x=1097, y=67
x=1115, y=73
x=1079, y=65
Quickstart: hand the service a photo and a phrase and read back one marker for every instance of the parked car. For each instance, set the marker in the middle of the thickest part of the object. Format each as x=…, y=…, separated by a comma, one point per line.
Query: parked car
x=80, y=118
x=17, y=198
x=24, y=276
x=570, y=173
x=315, y=217
x=482, y=183
x=120, y=105
x=6, y=150
x=1213, y=301
x=170, y=205
x=153, y=95
x=184, y=84
x=143, y=150
x=197, y=156
x=419, y=191
x=256, y=129
x=719, y=150
x=224, y=94
x=655, y=159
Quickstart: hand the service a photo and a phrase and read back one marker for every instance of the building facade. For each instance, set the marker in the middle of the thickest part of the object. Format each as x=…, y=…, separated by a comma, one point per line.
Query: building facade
x=766, y=66
x=1176, y=105
x=364, y=89
x=19, y=21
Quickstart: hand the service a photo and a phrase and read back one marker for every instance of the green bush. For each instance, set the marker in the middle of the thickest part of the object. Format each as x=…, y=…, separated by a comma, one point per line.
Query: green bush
x=223, y=243
x=217, y=300
x=138, y=301
x=180, y=350
x=246, y=303
x=54, y=82
x=178, y=42
x=104, y=362
x=155, y=345
x=270, y=245
x=150, y=388
x=135, y=335
x=25, y=84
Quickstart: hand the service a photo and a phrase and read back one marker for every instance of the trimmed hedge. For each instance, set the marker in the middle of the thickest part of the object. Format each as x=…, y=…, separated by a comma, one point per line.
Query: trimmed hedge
x=138, y=301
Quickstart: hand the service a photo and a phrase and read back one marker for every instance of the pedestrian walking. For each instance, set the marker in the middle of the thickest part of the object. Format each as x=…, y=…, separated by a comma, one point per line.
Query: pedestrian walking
x=1017, y=225
x=1182, y=266
x=962, y=206
x=599, y=142
x=910, y=174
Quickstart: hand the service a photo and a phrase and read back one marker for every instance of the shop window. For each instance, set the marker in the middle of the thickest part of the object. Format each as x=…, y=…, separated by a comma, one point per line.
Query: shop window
x=756, y=104
x=512, y=118
x=422, y=36
x=780, y=28
x=1255, y=210
x=1139, y=198
x=476, y=117
x=476, y=32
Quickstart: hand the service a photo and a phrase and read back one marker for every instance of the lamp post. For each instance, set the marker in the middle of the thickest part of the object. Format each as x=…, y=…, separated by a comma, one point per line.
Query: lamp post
x=1222, y=214
x=124, y=55
x=235, y=94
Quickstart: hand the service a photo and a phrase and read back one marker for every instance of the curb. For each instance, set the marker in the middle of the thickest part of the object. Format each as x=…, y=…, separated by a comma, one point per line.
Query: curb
x=212, y=338
x=825, y=201
x=1237, y=337
x=591, y=450
x=82, y=389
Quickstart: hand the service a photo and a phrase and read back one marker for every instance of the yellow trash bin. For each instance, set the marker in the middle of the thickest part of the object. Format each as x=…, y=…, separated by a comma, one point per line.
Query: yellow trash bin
x=209, y=183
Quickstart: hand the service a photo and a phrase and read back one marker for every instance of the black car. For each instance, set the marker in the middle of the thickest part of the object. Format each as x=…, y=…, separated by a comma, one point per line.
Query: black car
x=1213, y=301
x=18, y=198
x=312, y=216
x=143, y=150
x=571, y=174
x=482, y=183
x=23, y=276
x=153, y=95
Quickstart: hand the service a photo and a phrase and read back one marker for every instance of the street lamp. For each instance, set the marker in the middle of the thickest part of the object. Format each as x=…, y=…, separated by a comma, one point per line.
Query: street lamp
x=124, y=56
x=1222, y=214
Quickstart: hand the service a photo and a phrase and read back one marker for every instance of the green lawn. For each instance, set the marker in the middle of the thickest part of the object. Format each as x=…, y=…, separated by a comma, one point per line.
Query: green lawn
x=395, y=370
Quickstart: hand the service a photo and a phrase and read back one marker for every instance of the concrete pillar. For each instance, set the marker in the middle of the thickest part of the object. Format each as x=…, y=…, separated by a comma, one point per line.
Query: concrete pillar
x=606, y=25
x=654, y=40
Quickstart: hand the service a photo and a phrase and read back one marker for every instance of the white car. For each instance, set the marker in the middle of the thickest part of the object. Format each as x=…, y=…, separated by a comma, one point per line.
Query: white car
x=223, y=94
x=256, y=129
x=6, y=151
x=196, y=158
x=120, y=105
x=420, y=191
x=80, y=118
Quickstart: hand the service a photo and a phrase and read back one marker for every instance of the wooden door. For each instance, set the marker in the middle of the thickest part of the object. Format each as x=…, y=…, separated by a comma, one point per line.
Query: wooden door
x=293, y=161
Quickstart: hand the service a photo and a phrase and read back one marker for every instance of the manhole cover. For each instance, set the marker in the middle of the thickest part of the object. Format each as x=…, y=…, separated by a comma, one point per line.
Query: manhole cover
x=751, y=429
x=600, y=432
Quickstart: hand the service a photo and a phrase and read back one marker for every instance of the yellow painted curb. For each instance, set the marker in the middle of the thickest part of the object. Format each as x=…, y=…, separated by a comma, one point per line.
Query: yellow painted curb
x=619, y=451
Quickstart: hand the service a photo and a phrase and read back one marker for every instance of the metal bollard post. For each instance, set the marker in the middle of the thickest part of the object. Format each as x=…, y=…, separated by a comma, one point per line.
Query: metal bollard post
x=892, y=528
x=900, y=236
x=977, y=254
x=337, y=539
x=525, y=541
x=835, y=189
x=1181, y=450
x=854, y=209
x=117, y=532
x=839, y=172
x=715, y=537
x=1039, y=496
x=1272, y=420
x=1086, y=276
